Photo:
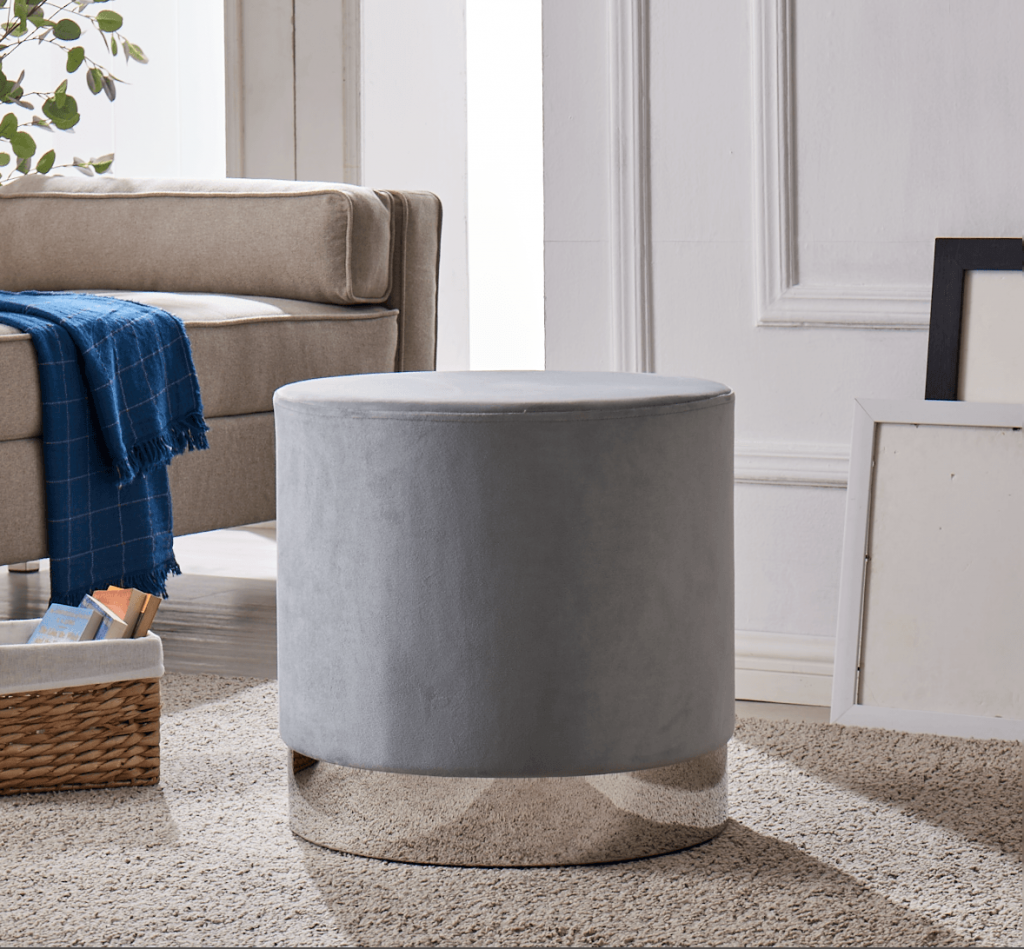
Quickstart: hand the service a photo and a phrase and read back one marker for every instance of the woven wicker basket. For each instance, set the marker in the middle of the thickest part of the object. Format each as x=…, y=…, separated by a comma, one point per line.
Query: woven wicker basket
x=89, y=736
x=64, y=726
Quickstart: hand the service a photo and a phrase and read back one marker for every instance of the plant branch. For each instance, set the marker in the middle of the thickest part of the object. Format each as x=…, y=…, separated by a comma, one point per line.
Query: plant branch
x=47, y=21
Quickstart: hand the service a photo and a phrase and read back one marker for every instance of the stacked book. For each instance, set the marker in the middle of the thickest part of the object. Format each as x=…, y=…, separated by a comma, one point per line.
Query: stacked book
x=113, y=613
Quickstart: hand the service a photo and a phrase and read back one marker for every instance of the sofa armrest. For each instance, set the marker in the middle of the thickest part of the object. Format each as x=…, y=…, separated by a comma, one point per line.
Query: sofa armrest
x=415, y=256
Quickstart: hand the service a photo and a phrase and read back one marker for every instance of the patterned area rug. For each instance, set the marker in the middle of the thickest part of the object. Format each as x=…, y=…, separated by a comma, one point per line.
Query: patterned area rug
x=836, y=837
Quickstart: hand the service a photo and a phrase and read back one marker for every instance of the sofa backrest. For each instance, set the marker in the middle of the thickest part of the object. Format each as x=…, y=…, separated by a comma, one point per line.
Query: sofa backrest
x=323, y=242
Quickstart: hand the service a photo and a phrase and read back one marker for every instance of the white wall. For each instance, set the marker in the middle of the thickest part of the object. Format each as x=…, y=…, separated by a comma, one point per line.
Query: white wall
x=291, y=77
x=293, y=113
x=506, y=183
x=169, y=122
x=577, y=176
x=804, y=156
x=291, y=104
x=414, y=133
x=260, y=89
x=168, y=116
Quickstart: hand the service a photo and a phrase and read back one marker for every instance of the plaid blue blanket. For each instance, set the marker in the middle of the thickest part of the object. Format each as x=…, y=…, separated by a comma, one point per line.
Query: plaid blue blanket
x=120, y=399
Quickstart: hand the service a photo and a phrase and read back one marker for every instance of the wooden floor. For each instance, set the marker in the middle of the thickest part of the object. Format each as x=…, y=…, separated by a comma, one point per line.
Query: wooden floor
x=221, y=615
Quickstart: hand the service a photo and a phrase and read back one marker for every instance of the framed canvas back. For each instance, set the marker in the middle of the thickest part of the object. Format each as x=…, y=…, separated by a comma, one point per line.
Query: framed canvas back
x=931, y=613
x=976, y=332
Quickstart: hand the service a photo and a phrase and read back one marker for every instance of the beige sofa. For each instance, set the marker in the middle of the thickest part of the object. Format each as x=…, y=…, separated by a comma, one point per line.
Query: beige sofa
x=276, y=281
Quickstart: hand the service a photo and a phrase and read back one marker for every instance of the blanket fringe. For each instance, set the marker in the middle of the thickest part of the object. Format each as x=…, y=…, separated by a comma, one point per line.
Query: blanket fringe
x=185, y=434
x=150, y=581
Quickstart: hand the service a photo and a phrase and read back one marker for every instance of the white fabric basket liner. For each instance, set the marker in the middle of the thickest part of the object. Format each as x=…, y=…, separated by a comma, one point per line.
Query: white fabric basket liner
x=25, y=668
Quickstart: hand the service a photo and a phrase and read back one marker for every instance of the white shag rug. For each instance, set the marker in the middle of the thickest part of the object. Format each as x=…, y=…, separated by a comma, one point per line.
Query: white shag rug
x=837, y=837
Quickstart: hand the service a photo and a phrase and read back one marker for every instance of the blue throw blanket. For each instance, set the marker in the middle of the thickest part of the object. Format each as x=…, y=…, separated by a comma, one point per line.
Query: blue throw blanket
x=120, y=399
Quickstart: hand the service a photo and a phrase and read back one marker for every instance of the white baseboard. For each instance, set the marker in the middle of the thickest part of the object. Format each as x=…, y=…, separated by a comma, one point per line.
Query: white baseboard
x=781, y=667
x=788, y=688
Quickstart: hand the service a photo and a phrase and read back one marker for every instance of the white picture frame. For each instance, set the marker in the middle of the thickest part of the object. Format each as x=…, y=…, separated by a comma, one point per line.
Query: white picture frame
x=903, y=658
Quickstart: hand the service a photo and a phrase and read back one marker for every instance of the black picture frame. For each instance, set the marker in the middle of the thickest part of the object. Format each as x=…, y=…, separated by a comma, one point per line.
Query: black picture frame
x=954, y=256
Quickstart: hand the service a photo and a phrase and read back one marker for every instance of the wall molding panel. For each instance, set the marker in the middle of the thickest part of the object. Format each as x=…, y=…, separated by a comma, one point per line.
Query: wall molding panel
x=352, y=94
x=282, y=63
x=327, y=50
x=782, y=299
x=782, y=464
x=233, y=89
x=630, y=245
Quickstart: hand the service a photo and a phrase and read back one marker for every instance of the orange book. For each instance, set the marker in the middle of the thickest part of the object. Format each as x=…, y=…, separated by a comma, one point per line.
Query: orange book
x=136, y=609
x=114, y=598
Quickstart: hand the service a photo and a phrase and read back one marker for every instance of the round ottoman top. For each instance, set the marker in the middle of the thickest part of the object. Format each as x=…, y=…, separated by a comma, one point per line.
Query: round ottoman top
x=498, y=393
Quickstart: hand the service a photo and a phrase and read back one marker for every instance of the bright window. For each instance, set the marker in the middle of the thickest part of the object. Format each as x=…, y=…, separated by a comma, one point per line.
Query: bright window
x=506, y=184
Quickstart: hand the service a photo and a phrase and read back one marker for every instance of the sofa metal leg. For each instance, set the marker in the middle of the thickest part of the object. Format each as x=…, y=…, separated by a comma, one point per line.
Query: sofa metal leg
x=31, y=566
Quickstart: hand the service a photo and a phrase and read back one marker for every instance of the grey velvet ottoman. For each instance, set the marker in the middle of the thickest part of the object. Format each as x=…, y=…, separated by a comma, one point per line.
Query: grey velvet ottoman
x=505, y=613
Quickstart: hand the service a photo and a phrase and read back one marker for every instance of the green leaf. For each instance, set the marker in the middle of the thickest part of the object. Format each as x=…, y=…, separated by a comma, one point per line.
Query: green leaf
x=109, y=21
x=102, y=164
x=64, y=117
x=24, y=165
x=75, y=57
x=113, y=46
x=8, y=125
x=59, y=94
x=12, y=92
x=23, y=144
x=67, y=30
x=20, y=8
x=136, y=52
x=46, y=162
x=41, y=123
x=5, y=159
x=94, y=80
x=109, y=88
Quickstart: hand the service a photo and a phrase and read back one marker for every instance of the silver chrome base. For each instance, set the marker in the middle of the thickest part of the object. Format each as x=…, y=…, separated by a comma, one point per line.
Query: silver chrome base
x=508, y=822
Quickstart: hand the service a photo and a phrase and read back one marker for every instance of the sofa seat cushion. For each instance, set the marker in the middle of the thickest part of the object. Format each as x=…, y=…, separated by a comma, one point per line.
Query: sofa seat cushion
x=244, y=348
x=311, y=240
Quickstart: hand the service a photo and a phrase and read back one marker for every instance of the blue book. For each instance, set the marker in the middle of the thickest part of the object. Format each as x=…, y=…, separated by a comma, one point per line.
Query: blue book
x=66, y=624
x=111, y=625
